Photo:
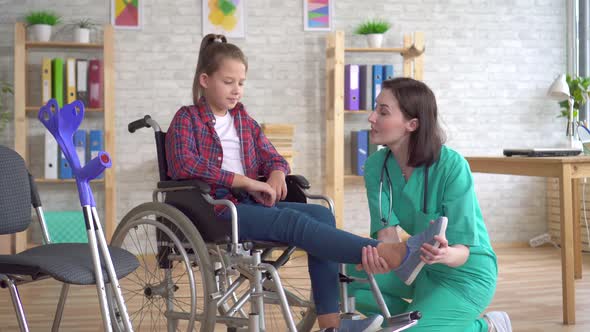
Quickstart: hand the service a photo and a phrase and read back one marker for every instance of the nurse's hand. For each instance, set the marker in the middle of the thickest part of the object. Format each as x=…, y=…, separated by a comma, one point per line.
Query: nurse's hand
x=432, y=255
x=372, y=262
x=453, y=256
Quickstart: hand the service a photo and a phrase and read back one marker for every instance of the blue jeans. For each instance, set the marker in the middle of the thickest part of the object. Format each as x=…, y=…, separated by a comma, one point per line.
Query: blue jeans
x=312, y=228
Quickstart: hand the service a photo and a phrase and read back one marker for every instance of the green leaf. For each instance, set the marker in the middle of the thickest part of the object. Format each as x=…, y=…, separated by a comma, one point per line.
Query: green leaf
x=42, y=17
x=372, y=26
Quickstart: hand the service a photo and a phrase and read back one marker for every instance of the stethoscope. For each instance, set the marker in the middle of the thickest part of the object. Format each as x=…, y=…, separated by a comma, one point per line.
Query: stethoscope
x=385, y=171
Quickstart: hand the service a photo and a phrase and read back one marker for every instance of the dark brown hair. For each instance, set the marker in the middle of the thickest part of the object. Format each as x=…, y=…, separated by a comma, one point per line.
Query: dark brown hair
x=417, y=101
x=214, y=49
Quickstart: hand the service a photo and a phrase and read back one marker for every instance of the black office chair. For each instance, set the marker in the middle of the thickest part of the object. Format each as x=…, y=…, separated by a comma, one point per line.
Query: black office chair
x=70, y=263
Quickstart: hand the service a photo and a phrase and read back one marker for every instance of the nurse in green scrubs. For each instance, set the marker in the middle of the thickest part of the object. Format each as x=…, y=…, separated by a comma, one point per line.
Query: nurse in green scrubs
x=412, y=181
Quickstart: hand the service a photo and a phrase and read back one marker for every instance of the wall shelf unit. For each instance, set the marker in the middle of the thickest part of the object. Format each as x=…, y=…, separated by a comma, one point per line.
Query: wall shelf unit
x=412, y=53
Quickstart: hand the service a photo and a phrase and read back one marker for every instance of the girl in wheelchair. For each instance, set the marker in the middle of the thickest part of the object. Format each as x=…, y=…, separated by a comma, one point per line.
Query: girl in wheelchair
x=216, y=141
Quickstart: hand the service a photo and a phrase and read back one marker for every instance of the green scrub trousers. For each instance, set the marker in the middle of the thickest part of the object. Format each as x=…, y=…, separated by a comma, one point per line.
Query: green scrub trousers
x=450, y=299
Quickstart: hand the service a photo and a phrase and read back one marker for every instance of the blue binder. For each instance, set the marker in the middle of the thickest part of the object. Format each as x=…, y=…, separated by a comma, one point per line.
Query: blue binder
x=65, y=170
x=377, y=80
x=387, y=72
x=96, y=139
x=80, y=144
x=360, y=144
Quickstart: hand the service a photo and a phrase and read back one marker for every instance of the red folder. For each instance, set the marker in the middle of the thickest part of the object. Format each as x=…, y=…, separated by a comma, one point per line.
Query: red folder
x=95, y=84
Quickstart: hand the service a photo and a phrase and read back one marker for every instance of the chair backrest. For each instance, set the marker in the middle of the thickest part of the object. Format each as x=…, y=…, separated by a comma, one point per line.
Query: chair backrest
x=161, y=151
x=15, y=192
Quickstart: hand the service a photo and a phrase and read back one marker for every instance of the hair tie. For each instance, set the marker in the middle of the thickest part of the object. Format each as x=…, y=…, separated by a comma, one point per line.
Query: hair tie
x=217, y=40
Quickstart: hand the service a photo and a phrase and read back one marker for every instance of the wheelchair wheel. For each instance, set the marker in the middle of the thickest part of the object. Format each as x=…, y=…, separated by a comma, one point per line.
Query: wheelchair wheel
x=170, y=290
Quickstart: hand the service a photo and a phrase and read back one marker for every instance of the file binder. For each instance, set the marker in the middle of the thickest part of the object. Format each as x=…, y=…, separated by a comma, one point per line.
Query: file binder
x=80, y=144
x=359, y=140
x=377, y=80
x=51, y=161
x=95, y=84
x=387, y=72
x=58, y=80
x=70, y=80
x=365, y=94
x=82, y=81
x=65, y=170
x=96, y=139
x=46, y=81
x=351, y=89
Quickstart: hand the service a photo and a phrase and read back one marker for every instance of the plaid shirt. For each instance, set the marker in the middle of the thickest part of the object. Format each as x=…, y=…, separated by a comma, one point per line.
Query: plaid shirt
x=193, y=149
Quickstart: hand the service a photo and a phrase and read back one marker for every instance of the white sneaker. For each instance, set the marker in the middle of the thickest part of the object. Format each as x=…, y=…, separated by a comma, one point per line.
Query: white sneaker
x=499, y=320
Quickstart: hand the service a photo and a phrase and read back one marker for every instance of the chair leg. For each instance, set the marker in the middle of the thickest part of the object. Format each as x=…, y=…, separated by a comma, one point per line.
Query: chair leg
x=60, y=307
x=18, y=306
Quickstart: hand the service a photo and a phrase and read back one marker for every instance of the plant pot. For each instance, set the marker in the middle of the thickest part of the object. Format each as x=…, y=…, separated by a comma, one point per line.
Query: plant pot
x=82, y=35
x=375, y=40
x=41, y=32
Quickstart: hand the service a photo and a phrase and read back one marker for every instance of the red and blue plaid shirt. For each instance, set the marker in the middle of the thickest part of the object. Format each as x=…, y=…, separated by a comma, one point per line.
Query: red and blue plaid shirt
x=193, y=149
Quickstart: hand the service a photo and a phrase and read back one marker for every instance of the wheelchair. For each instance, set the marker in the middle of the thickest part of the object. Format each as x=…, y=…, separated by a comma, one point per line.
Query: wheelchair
x=194, y=273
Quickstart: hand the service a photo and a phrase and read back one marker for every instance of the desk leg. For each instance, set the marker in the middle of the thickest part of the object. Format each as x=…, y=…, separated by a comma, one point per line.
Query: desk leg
x=577, y=239
x=567, y=246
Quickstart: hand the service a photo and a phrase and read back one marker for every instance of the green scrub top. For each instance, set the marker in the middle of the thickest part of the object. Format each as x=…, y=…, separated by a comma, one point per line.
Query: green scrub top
x=450, y=193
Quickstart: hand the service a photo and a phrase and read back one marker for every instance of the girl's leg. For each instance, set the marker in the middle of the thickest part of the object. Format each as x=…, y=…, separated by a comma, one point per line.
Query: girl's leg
x=296, y=226
x=312, y=228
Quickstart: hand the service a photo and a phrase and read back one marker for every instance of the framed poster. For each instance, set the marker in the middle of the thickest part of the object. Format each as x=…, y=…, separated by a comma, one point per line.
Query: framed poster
x=317, y=15
x=224, y=17
x=127, y=14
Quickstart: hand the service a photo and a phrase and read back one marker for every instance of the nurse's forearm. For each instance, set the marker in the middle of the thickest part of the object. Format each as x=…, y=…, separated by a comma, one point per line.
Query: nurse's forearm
x=458, y=255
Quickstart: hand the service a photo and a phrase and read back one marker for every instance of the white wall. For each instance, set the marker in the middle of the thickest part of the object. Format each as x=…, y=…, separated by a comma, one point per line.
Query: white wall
x=488, y=62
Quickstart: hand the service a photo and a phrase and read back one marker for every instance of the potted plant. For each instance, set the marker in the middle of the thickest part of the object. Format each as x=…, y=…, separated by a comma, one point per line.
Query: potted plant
x=41, y=22
x=82, y=29
x=5, y=90
x=374, y=30
x=579, y=92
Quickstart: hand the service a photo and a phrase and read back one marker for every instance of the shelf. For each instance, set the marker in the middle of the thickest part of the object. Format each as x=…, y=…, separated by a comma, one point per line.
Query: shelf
x=65, y=181
x=24, y=112
x=58, y=44
x=354, y=179
x=34, y=109
x=408, y=52
x=336, y=181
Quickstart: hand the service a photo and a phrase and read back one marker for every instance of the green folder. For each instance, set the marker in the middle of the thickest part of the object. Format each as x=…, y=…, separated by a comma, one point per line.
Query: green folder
x=66, y=226
x=58, y=80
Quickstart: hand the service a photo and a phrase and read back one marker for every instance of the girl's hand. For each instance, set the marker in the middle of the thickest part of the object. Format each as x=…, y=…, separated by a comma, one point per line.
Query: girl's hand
x=372, y=262
x=276, y=180
x=262, y=192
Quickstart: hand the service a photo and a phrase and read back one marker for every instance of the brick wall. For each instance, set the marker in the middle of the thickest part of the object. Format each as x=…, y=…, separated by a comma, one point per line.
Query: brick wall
x=488, y=62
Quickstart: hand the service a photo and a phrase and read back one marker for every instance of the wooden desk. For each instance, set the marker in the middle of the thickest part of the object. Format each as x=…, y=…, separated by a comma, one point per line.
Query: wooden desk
x=569, y=171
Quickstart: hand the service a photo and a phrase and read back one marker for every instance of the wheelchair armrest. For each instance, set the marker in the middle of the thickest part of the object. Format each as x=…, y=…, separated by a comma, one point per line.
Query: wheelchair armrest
x=298, y=180
x=198, y=184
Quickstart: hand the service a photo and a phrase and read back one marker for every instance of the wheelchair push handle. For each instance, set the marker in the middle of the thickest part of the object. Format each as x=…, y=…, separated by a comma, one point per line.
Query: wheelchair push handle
x=138, y=124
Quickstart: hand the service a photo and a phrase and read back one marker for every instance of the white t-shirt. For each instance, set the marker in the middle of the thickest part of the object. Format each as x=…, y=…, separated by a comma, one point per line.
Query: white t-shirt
x=230, y=144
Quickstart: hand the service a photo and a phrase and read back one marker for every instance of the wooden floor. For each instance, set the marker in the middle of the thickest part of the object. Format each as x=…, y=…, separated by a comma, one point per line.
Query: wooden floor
x=529, y=289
